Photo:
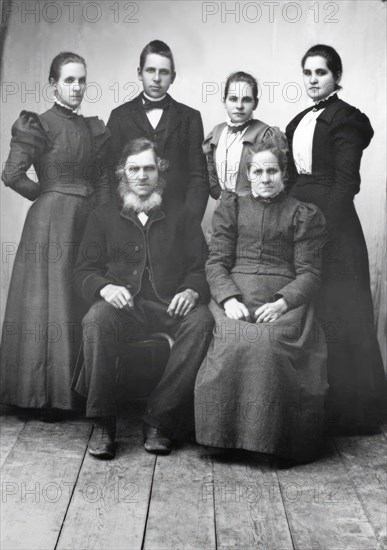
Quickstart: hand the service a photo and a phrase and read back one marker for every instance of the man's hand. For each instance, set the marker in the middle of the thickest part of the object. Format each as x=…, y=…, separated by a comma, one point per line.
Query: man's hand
x=182, y=303
x=234, y=309
x=118, y=296
x=271, y=311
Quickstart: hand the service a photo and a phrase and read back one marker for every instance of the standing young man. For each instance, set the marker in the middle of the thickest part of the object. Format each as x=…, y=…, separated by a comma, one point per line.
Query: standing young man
x=176, y=129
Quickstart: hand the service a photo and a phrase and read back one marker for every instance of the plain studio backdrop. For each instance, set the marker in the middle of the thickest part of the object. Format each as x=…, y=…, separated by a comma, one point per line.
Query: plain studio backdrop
x=209, y=40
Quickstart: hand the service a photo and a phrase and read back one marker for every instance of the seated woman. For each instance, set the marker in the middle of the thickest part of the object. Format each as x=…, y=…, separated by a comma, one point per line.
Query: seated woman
x=227, y=146
x=261, y=386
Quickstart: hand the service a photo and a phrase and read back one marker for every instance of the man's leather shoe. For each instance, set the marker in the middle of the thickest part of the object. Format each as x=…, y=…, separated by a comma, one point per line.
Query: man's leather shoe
x=101, y=444
x=155, y=441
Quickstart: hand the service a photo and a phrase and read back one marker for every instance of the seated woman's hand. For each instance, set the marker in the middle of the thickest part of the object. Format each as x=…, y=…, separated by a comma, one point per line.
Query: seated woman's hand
x=234, y=309
x=271, y=311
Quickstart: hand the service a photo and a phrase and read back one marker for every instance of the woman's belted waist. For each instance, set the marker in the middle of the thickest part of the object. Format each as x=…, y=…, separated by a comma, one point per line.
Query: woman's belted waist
x=279, y=268
x=78, y=186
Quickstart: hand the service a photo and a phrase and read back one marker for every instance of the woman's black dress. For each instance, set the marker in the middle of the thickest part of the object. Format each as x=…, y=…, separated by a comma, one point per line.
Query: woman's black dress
x=344, y=303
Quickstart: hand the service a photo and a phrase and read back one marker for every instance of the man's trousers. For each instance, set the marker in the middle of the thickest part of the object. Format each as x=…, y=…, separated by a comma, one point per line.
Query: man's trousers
x=106, y=332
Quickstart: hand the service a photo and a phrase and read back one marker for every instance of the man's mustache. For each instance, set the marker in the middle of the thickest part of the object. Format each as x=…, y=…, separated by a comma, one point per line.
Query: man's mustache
x=126, y=187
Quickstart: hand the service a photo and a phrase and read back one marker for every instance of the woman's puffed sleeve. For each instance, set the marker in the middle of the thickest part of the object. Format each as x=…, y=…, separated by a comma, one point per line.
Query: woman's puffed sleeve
x=101, y=139
x=272, y=132
x=222, y=248
x=309, y=239
x=351, y=133
x=29, y=140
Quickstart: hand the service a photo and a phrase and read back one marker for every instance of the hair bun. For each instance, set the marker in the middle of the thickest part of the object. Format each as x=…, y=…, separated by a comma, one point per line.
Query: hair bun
x=275, y=139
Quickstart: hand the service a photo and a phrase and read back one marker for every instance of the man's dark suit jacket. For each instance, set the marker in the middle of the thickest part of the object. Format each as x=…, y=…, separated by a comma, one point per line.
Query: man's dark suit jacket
x=115, y=248
x=186, y=177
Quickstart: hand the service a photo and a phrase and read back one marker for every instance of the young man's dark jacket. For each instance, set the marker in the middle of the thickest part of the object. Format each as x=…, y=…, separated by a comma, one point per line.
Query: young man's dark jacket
x=115, y=248
x=179, y=137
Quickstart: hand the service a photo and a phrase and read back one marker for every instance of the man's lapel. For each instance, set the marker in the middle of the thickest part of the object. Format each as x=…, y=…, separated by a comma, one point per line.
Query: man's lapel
x=174, y=119
x=137, y=114
x=155, y=215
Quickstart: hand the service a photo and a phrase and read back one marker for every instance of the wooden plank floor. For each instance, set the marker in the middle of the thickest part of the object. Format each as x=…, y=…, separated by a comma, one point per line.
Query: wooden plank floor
x=56, y=496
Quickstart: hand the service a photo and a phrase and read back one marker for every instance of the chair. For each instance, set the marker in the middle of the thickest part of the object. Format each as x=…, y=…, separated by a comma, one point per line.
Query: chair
x=148, y=359
x=136, y=380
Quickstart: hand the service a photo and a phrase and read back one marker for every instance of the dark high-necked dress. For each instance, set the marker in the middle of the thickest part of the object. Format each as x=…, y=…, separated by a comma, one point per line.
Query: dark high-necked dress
x=42, y=324
x=356, y=399
x=261, y=386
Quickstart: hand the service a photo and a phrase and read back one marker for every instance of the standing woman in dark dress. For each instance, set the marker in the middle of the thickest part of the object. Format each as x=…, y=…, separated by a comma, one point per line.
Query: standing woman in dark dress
x=42, y=325
x=326, y=143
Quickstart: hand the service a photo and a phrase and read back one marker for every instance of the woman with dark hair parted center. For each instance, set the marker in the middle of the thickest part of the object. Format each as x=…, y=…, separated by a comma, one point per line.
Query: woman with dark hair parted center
x=326, y=143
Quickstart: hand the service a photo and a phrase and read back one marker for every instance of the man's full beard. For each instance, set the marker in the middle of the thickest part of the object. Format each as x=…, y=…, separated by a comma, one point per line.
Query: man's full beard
x=132, y=202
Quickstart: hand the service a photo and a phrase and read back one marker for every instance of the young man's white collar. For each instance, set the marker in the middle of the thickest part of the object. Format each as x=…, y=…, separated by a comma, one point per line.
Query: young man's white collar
x=154, y=115
x=152, y=98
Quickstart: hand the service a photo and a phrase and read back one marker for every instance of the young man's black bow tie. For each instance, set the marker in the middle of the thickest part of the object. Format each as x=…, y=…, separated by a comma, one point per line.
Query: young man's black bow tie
x=162, y=104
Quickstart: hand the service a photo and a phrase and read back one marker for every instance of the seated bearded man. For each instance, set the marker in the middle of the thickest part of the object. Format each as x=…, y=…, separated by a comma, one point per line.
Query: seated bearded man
x=142, y=269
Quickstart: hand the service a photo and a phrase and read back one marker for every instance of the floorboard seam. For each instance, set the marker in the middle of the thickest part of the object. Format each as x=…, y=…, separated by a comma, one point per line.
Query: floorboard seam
x=17, y=439
x=285, y=510
x=354, y=488
x=213, y=501
x=73, y=490
x=149, y=504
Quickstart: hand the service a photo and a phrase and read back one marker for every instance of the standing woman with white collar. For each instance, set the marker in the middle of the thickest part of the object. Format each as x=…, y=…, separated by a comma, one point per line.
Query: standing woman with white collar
x=227, y=146
x=42, y=325
x=326, y=143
